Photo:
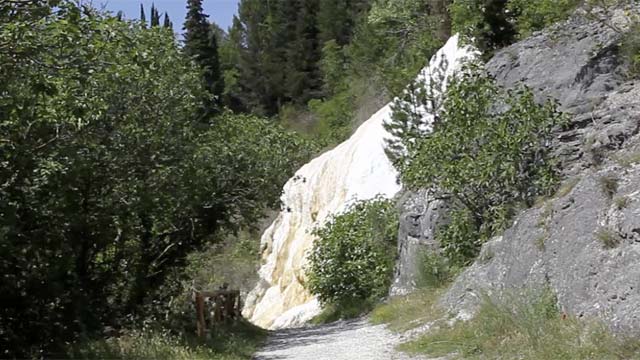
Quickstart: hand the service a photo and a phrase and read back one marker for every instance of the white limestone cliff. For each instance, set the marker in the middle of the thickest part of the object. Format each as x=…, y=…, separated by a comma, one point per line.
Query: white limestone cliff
x=357, y=169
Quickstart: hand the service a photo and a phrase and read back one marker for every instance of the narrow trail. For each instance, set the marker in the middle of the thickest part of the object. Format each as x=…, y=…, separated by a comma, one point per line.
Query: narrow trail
x=343, y=340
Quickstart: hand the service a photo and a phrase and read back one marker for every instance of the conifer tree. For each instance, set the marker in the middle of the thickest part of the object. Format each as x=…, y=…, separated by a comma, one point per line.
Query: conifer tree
x=143, y=18
x=167, y=21
x=201, y=44
x=155, y=16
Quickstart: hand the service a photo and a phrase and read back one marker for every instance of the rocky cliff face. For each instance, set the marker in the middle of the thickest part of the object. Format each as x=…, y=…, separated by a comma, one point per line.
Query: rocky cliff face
x=584, y=243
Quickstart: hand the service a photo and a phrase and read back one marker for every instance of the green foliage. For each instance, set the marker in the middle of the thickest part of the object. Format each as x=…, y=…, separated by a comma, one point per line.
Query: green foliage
x=346, y=310
x=609, y=185
x=394, y=41
x=334, y=118
x=408, y=312
x=436, y=271
x=109, y=179
x=485, y=22
x=201, y=44
x=489, y=151
x=524, y=326
x=631, y=48
x=352, y=259
x=609, y=238
x=494, y=24
x=230, y=342
x=536, y=15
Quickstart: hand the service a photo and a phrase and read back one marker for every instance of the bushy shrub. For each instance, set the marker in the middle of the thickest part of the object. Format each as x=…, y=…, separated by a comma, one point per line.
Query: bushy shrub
x=493, y=24
x=436, y=271
x=534, y=15
x=631, y=49
x=353, y=257
x=489, y=151
x=487, y=23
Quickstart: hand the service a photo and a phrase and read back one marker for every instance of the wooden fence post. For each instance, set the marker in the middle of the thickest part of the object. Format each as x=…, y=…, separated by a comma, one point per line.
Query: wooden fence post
x=200, y=314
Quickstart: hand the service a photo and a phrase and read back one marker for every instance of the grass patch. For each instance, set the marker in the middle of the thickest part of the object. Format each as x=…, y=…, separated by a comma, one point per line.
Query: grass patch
x=608, y=185
x=541, y=241
x=621, y=202
x=403, y=313
x=232, y=342
x=567, y=187
x=525, y=327
x=349, y=310
x=609, y=238
x=628, y=160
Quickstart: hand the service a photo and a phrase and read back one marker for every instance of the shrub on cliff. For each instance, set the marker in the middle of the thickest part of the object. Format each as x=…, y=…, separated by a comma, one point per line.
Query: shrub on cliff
x=488, y=152
x=493, y=24
x=352, y=259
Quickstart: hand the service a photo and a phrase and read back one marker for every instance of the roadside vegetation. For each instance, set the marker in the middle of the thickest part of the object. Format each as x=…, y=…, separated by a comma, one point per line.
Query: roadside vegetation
x=526, y=326
x=229, y=342
x=116, y=168
x=351, y=264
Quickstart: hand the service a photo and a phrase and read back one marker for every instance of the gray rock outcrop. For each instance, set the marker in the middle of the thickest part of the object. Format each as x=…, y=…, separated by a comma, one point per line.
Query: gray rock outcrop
x=584, y=244
x=420, y=217
x=577, y=63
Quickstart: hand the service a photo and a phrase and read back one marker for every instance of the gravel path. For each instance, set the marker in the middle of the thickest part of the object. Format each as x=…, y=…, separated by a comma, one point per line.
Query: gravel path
x=344, y=340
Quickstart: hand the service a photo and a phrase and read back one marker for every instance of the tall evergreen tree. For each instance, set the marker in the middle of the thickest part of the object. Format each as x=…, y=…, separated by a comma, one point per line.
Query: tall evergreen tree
x=155, y=16
x=337, y=19
x=200, y=43
x=167, y=21
x=143, y=18
x=304, y=80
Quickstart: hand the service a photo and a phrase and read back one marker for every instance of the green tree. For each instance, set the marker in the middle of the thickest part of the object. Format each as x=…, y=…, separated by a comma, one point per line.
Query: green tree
x=143, y=18
x=536, y=15
x=352, y=259
x=200, y=43
x=155, y=16
x=108, y=178
x=488, y=23
x=167, y=22
x=489, y=151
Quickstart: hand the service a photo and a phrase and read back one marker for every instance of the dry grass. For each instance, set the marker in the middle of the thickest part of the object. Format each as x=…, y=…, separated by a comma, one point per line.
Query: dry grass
x=608, y=185
x=609, y=238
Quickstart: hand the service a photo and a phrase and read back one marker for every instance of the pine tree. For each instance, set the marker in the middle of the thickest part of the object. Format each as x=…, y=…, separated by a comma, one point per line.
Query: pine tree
x=143, y=18
x=304, y=80
x=201, y=44
x=155, y=16
x=167, y=22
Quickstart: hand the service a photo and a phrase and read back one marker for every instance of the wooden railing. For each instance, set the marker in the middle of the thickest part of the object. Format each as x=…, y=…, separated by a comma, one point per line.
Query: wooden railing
x=226, y=306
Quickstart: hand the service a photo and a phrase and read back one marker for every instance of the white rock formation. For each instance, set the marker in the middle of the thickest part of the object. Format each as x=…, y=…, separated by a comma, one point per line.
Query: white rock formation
x=357, y=169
